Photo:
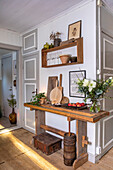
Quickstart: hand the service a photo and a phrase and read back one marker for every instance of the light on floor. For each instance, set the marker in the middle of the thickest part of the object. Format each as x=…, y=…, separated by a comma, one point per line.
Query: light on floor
x=35, y=157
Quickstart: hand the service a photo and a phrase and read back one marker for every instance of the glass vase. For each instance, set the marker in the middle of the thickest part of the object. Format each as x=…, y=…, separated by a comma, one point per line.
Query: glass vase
x=95, y=106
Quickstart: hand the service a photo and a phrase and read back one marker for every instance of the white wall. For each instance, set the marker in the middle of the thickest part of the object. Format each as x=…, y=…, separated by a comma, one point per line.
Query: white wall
x=10, y=38
x=87, y=14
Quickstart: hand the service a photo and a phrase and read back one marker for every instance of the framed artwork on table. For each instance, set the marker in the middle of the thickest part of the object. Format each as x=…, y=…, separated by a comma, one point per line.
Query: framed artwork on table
x=74, y=30
x=73, y=87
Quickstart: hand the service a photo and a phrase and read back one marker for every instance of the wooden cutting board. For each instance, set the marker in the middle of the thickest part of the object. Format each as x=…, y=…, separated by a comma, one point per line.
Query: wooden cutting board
x=51, y=85
x=56, y=95
x=60, y=84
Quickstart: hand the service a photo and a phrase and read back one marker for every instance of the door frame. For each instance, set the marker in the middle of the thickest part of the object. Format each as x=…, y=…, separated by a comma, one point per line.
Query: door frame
x=19, y=80
x=4, y=57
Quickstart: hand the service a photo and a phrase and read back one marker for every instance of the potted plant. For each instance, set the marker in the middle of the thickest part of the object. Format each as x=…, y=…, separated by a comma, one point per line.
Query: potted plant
x=12, y=103
x=38, y=99
x=56, y=38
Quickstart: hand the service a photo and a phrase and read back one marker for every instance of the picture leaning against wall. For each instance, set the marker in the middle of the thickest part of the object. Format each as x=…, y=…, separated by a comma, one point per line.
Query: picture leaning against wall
x=74, y=30
x=73, y=87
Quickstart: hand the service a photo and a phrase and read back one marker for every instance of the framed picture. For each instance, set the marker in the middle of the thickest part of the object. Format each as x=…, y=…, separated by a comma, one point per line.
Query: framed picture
x=73, y=87
x=74, y=30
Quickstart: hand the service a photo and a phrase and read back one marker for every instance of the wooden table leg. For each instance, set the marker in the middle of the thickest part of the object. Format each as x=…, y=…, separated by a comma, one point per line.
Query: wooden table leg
x=39, y=120
x=82, y=156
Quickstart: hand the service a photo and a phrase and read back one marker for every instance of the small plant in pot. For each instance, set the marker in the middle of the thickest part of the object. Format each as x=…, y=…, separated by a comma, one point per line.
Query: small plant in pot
x=56, y=38
x=38, y=99
x=12, y=103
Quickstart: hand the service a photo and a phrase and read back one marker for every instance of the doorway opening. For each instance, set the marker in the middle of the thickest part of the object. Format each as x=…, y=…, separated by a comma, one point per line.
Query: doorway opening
x=8, y=77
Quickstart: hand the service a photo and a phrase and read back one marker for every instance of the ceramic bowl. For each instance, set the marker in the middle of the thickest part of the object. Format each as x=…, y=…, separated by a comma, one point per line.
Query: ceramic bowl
x=65, y=58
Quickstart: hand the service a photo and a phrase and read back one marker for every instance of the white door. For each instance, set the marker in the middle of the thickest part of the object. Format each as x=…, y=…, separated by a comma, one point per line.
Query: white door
x=6, y=83
x=31, y=76
x=107, y=71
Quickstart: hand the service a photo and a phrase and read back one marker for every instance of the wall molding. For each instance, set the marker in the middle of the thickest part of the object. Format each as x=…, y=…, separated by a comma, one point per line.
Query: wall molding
x=26, y=120
x=104, y=75
x=25, y=61
x=104, y=121
x=33, y=42
x=29, y=84
x=104, y=42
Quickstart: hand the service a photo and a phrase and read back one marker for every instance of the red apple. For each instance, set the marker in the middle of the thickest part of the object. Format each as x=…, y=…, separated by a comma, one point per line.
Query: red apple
x=83, y=104
x=79, y=105
x=74, y=105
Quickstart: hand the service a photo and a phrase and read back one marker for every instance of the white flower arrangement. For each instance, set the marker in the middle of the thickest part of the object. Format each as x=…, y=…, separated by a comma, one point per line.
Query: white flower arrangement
x=94, y=90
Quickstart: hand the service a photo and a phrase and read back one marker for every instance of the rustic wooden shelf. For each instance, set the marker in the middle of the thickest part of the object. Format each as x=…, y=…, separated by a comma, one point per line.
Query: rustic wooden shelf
x=78, y=43
x=58, y=65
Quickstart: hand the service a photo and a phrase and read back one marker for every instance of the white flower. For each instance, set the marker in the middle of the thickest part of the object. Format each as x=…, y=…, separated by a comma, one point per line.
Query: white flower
x=110, y=78
x=85, y=82
x=92, y=85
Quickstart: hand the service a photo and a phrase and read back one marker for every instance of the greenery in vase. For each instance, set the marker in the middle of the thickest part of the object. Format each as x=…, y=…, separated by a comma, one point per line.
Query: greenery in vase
x=12, y=101
x=36, y=98
x=54, y=35
x=94, y=90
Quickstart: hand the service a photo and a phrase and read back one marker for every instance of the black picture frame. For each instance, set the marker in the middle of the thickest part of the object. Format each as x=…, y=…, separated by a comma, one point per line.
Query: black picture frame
x=74, y=30
x=73, y=87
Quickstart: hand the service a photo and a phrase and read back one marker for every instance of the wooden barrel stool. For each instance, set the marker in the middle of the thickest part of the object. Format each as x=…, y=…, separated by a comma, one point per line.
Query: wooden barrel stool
x=69, y=148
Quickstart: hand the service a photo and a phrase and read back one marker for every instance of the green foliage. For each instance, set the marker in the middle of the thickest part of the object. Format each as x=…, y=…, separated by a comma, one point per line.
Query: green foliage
x=36, y=98
x=12, y=101
x=94, y=89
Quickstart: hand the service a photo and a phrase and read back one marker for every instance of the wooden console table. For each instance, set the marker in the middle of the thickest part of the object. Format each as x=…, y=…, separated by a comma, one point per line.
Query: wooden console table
x=81, y=117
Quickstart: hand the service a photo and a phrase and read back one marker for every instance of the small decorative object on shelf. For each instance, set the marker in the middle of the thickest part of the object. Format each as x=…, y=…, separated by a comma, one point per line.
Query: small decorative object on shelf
x=12, y=103
x=67, y=41
x=94, y=90
x=65, y=58
x=56, y=38
x=46, y=46
x=73, y=59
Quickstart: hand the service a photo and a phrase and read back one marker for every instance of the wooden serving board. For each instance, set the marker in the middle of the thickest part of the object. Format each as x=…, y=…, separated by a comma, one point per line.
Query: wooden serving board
x=56, y=95
x=60, y=84
x=51, y=85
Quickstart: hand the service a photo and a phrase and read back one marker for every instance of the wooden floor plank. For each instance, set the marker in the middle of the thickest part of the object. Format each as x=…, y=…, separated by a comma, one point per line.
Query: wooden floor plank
x=11, y=158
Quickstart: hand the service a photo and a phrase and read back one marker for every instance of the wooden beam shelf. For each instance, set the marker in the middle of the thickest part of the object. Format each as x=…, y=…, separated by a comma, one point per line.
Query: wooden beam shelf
x=78, y=43
x=54, y=130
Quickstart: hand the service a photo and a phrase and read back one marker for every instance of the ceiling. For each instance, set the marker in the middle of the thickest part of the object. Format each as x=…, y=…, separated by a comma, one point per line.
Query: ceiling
x=21, y=15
